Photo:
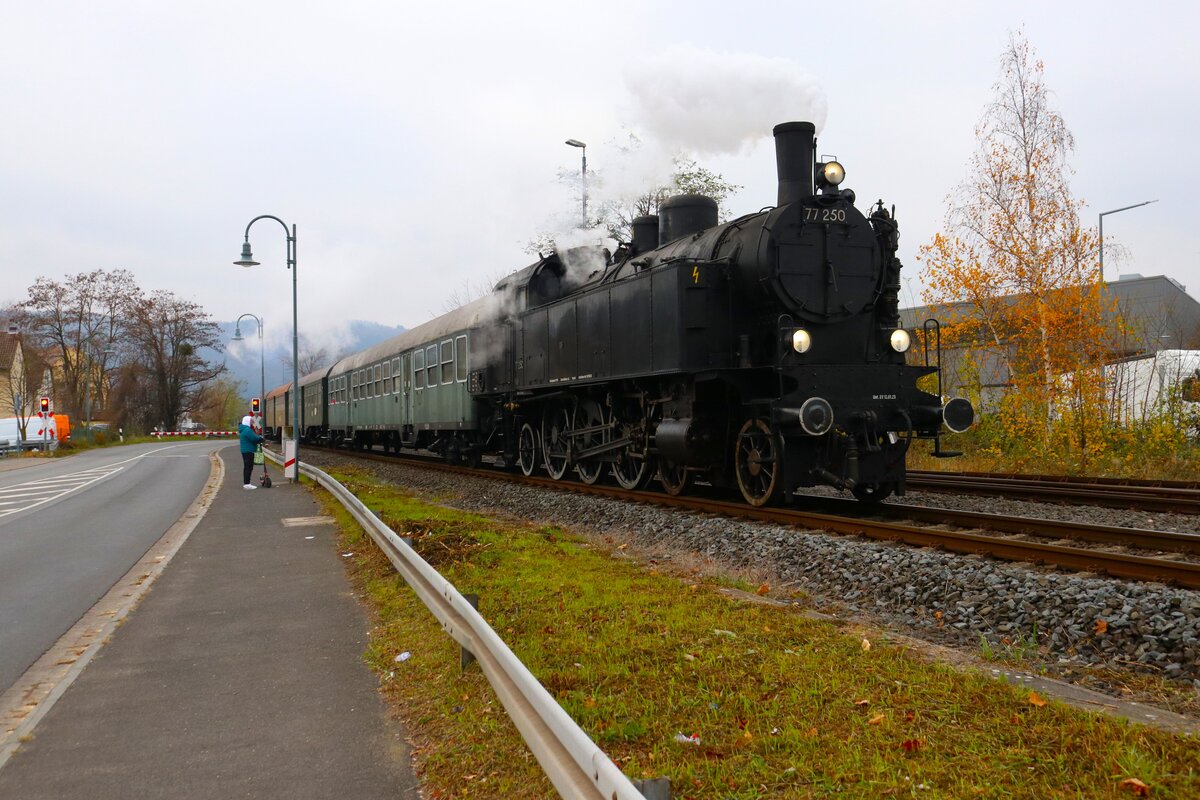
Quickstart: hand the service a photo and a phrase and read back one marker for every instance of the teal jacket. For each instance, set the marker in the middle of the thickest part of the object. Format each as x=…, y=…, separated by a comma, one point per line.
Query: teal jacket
x=249, y=439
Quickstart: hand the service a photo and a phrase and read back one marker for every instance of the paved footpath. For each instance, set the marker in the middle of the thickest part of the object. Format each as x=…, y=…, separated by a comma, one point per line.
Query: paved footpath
x=240, y=674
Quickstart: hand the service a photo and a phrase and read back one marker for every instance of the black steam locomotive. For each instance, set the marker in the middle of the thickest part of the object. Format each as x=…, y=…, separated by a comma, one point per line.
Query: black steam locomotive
x=765, y=353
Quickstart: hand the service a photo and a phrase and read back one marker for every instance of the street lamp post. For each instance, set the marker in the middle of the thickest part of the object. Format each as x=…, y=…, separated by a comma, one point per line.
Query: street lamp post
x=579, y=144
x=1105, y=214
x=237, y=337
x=247, y=260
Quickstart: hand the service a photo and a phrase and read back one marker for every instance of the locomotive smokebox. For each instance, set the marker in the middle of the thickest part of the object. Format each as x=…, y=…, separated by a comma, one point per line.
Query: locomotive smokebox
x=795, y=144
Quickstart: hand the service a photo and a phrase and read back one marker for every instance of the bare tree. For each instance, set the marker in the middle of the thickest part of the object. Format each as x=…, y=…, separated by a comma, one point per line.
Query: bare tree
x=80, y=319
x=166, y=334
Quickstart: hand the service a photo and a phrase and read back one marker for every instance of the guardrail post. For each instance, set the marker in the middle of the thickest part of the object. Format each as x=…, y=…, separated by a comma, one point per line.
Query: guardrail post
x=465, y=656
x=654, y=788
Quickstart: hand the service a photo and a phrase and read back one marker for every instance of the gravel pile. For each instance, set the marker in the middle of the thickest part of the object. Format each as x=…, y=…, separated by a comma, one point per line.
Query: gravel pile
x=965, y=600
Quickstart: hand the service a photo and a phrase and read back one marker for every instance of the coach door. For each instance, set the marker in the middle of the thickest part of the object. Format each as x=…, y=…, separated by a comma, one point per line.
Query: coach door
x=406, y=392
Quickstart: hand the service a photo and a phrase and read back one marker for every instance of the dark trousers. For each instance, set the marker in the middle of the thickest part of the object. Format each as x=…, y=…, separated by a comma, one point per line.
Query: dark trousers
x=247, y=467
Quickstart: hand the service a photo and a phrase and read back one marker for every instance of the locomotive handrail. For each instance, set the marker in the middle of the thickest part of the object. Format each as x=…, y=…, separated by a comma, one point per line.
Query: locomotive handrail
x=576, y=766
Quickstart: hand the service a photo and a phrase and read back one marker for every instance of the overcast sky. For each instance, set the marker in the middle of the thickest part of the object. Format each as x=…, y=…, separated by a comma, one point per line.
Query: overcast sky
x=416, y=146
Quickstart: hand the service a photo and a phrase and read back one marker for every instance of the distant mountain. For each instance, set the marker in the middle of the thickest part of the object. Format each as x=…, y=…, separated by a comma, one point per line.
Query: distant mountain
x=242, y=361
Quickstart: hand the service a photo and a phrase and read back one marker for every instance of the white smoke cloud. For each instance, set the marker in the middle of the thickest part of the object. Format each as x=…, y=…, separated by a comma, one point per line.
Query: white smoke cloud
x=715, y=103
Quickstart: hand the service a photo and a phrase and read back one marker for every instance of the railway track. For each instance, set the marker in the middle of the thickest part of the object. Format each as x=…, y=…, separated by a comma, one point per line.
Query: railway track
x=976, y=533
x=1175, y=497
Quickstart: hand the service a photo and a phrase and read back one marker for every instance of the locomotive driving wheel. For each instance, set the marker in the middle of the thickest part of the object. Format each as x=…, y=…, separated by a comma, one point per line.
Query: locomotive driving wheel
x=556, y=450
x=633, y=467
x=589, y=417
x=756, y=461
x=527, y=449
x=673, y=477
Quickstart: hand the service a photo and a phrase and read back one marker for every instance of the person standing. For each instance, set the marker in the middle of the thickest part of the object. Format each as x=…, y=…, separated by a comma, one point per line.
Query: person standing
x=249, y=443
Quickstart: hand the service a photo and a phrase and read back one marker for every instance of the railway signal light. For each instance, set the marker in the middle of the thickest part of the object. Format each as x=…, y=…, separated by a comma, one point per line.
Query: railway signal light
x=45, y=405
x=254, y=405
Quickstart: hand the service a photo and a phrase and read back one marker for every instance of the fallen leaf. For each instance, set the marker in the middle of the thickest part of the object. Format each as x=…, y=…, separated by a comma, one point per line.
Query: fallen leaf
x=1100, y=628
x=863, y=703
x=875, y=720
x=764, y=588
x=1036, y=700
x=811, y=733
x=1138, y=788
x=589, y=702
x=866, y=645
x=912, y=745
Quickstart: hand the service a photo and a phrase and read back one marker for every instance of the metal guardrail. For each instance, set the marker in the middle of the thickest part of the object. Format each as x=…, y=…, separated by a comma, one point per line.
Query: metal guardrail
x=576, y=766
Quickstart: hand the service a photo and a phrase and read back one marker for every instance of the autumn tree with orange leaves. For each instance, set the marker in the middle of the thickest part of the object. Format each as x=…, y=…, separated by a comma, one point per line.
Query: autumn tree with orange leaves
x=1015, y=278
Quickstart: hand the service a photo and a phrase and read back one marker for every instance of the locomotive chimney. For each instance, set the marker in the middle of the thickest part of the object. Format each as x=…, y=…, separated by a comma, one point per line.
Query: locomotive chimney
x=794, y=148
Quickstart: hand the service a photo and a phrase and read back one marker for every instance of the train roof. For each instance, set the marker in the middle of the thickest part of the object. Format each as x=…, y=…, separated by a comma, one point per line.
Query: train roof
x=315, y=376
x=475, y=313
x=279, y=391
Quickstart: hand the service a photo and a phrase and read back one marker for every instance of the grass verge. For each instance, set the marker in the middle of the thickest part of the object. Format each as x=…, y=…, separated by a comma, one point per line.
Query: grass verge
x=769, y=703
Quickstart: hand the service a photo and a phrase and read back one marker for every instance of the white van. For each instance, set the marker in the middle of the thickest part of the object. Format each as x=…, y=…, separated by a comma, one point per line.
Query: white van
x=10, y=434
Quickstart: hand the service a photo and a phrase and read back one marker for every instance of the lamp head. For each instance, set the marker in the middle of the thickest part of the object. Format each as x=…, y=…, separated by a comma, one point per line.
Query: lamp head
x=575, y=143
x=237, y=333
x=247, y=259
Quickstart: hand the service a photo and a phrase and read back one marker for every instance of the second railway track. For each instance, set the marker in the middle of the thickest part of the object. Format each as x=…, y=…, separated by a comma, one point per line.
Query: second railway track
x=1172, y=497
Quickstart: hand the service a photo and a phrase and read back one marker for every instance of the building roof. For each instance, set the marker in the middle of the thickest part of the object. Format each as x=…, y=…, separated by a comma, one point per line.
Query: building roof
x=10, y=344
x=1157, y=311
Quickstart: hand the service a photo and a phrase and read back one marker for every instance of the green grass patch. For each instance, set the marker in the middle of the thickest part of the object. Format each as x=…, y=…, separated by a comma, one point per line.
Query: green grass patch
x=776, y=705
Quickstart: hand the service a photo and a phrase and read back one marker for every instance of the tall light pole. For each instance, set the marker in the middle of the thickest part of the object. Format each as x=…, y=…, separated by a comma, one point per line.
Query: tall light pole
x=577, y=143
x=237, y=337
x=1105, y=214
x=247, y=260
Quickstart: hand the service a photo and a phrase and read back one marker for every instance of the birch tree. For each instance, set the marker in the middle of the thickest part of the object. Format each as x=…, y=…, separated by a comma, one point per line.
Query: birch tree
x=1014, y=271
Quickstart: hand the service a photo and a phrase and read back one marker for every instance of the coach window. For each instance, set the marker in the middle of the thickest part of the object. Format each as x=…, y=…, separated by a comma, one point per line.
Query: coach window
x=448, y=361
x=419, y=368
x=378, y=380
x=460, y=358
x=387, y=377
x=396, y=375
x=431, y=365
x=353, y=385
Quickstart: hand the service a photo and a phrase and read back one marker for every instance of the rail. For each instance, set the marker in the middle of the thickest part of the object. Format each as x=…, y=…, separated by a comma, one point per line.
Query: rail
x=572, y=761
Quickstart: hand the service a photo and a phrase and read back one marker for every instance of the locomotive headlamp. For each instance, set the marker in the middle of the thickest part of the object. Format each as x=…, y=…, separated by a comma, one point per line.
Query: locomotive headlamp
x=833, y=173
x=801, y=341
x=900, y=340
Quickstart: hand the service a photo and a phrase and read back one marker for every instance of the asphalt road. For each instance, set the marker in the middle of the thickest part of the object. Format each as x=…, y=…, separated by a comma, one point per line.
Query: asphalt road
x=71, y=527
